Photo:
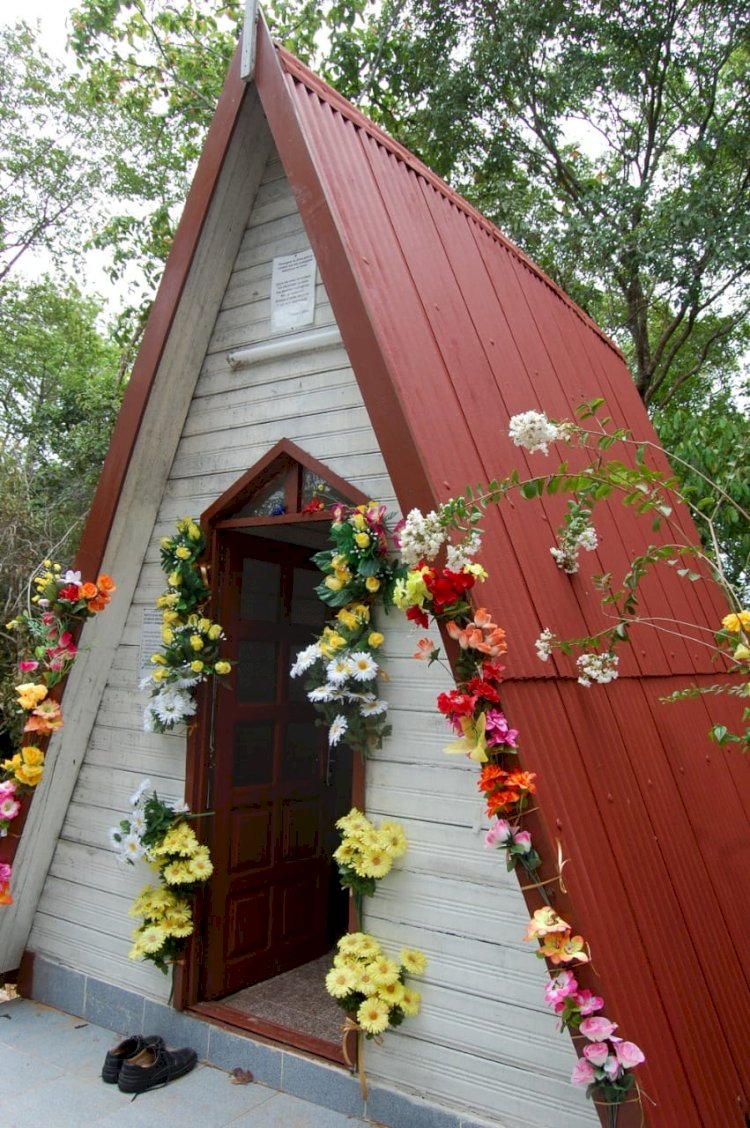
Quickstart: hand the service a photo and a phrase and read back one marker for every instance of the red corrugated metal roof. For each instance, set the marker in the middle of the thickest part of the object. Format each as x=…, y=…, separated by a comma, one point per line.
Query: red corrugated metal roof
x=451, y=330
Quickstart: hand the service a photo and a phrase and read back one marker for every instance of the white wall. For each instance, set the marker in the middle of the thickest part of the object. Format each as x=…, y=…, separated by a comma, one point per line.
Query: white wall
x=484, y=1039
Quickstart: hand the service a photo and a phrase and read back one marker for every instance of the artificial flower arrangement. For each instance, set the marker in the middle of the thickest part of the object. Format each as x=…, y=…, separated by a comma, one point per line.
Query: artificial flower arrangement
x=370, y=986
x=47, y=649
x=473, y=710
x=159, y=832
x=342, y=666
x=190, y=641
x=366, y=854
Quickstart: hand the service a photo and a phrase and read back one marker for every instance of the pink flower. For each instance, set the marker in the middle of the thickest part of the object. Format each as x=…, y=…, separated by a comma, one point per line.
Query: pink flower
x=598, y=1029
x=559, y=989
x=9, y=807
x=27, y=666
x=583, y=1073
x=596, y=1052
x=498, y=731
x=629, y=1055
x=4, y=871
x=7, y=787
x=588, y=1003
x=612, y=1068
x=499, y=834
x=522, y=839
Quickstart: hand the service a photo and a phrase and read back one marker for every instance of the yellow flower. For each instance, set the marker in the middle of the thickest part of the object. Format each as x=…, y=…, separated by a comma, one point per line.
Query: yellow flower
x=392, y=993
x=176, y=928
x=347, y=619
x=340, y=982
x=413, y=961
x=476, y=570
x=32, y=755
x=345, y=853
x=193, y=531
x=742, y=653
x=332, y=583
x=222, y=667
x=158, y=660
x=338, y=561
x=374, y=1016
x=361, y=610
x=159, y=674
x=196, y=666
x=736, y=623
x=384, y=970
x=167, y=636
x=392, y=839
x=165, y=542
x=375, y=639
x=201, y=866
x=136, y=952
x=372, y=583
x=410, y=1002
x=182, y=553
x=358, y=521
x=361, y=540
x=30, y=694
x=169, y=618
x=214, y=631
x=376, y=864
x=178, y=873
x=196, y=642
x=152, y=939
x=29, y=774
x=174, y=579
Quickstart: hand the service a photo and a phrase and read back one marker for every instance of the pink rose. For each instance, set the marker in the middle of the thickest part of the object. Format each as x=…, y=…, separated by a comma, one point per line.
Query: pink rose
x=27, y=666
x=4, y=871
x=583, y=1073
x=612, y=1068
x=522, y=839
x=598, y=1029
x=629, y=1055
x=596, y=1052
x=499, y=834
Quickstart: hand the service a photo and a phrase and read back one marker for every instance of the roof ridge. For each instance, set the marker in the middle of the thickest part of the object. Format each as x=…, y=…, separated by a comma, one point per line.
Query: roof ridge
x=297, y=70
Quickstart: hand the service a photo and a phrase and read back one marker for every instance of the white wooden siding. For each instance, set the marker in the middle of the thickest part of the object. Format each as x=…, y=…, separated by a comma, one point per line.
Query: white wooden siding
x=484, y=1039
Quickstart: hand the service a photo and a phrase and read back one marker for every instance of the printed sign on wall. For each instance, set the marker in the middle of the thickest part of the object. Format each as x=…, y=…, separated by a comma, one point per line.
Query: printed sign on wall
x=293, y=291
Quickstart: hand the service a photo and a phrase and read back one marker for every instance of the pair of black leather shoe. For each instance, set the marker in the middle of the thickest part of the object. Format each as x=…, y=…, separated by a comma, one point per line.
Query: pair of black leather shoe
x=143, y=1062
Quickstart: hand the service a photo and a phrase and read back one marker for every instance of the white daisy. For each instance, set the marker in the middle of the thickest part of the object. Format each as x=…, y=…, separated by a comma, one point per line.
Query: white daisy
x=148, y=720
x=337, y=729
x=365, y=668
x=339, y=669
x=131, y=848
x=138, y=822
x=325, y=693
x=172, y=706
x=179, y=806
x=114, y=834
x=305, y=659
x=143, y=787
x=373, y=708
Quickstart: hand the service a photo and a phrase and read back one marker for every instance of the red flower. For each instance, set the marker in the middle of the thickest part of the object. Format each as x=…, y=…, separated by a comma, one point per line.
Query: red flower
x=447, y=587
x=483, y=689
x=418, y=616
x=314, y=506
x=71, y=593
x=456, y=703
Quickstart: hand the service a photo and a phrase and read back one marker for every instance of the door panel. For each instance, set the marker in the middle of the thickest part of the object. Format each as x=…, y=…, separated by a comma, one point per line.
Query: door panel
x=268, y=898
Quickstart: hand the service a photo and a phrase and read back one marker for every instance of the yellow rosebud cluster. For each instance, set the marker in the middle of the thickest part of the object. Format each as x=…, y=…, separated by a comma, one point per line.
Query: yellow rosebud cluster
x=366, y=850
x=27, y=766
x=30, y=694
x=370, y=985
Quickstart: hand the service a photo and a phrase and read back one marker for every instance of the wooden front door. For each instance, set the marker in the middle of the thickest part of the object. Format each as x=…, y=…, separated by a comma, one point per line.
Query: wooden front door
x=267, y=909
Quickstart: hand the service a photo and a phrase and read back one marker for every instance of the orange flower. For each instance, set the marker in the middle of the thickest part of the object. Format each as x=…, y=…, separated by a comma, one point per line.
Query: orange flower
x=524, y=781
x=492, y=775
x=106, y=583
x=88, y=591
x=45, y=718
x=544, y=922
x=5, y=896
x=98, y=603
x=562, y=948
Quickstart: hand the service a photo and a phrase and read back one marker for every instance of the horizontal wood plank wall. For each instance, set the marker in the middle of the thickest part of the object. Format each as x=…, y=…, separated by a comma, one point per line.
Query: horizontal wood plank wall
x=484, y=1039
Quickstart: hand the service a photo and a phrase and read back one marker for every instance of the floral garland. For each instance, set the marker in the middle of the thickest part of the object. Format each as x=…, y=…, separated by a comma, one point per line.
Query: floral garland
x=190, y=650
x=473, y=709
x=46, y=641
x=342, y=665
x=159, y=832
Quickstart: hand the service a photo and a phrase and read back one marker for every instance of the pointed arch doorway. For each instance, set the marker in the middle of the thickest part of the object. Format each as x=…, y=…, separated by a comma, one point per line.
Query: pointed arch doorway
x=261, y=765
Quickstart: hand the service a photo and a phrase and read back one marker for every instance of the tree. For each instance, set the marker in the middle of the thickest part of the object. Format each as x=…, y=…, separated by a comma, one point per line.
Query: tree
x=60, y=388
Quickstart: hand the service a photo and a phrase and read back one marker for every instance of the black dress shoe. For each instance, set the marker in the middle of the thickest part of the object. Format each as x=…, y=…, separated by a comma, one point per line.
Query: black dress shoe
x=133, y=1045
x=154, y=1066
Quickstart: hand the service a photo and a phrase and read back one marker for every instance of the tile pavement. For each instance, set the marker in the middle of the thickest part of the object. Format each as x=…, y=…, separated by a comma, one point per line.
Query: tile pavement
x=50, y=1063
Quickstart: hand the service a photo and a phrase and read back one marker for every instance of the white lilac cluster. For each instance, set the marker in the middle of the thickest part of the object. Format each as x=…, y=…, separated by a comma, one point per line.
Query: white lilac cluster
x=579, y=534
x=533, y=431
x=600, y=668
x=420, y=537
x=459, y=555
x=544, y=644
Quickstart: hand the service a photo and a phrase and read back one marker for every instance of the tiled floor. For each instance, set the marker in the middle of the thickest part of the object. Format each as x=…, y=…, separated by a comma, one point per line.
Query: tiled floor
x=50, y=1066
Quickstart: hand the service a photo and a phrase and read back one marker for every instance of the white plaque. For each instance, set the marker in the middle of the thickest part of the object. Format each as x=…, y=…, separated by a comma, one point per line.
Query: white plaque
x=150, y=639
x=293, y=291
